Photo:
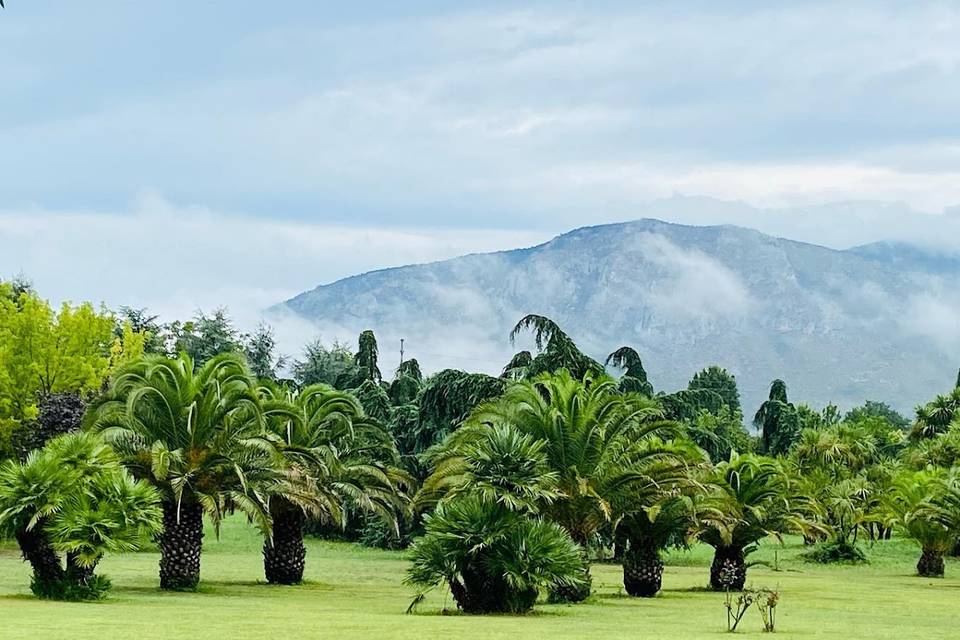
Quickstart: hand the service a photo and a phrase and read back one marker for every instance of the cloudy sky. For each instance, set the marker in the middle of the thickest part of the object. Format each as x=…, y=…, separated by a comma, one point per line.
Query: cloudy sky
x=186, y=154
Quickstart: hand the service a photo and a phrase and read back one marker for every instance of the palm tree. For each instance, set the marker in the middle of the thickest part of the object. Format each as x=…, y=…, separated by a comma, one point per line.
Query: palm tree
x=74, y=497
x=599, y=443
x=750, y=499
x=649, y=531
x=329, y=453
x=925, y=506
x=189, y=432
x=493, y=559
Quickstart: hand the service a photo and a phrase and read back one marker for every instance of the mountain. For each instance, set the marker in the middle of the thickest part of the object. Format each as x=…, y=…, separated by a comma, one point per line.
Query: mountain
x=880, y=321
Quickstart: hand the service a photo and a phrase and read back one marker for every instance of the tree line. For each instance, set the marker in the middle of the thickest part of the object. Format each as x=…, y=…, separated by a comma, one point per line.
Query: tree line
x=121, y=431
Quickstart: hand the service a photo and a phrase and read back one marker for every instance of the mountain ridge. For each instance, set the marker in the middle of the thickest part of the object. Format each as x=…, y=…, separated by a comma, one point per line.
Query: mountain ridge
x=838, y=322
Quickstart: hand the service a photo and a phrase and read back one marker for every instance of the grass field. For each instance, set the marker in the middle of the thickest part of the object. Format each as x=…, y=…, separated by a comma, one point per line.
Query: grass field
x=357, y=593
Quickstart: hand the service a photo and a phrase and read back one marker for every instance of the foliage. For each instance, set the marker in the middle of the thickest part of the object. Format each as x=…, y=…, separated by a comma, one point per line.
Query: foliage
x=936, y=416
x=406, y=385
x=366, y=357
x=557, y=350
x=143, y=323
x=778, y=421
x=59, y=413
x=204, y=337
x=261, y=351
x=493, y=559
x=925, y=506
x=374, y=399
x=875, y=409
x=447, y=397
x=634, y=375
x=836, y=551
x=187, y=430
x=43, y=351
x=321, y=364
x=720, y=381
x=719, y=434
x=518, y=366
x=73, y=496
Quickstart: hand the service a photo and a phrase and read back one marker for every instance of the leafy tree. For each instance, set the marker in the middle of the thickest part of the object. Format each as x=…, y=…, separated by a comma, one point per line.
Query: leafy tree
x=599, y=443
x=366, y=357
x=140, y=321
x=721, y=382
x=874, y=409
x=447, y=398
x=188, y=431
x=330, y=454
x=59, y=413
x=634, y=375
x=925, y=506
x=374, y=400
x=719, y=434
x=261, y=351
x=73, y=497
x=494, y=560
x=406, y=385
x=44, y=352
x=205, y=337
x=331, y=365
x=749, y=499
x=685, y=405
x=557, y=350
x=777, y=421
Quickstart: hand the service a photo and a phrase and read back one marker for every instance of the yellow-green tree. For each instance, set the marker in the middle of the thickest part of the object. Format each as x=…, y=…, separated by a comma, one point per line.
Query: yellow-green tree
x=44, y=351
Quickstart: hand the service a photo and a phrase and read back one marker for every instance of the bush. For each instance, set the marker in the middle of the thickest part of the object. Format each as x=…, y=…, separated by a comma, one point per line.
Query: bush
x=70, y=590
x=835, y=552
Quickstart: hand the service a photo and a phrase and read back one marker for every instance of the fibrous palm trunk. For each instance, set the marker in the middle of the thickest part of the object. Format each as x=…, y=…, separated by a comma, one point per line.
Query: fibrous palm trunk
x=642, y=569
x=77, y=572
x=728, y=572
x=37, y=550
x=479, y=592
x=180, y=545
x=930, y=564
x=284, y=556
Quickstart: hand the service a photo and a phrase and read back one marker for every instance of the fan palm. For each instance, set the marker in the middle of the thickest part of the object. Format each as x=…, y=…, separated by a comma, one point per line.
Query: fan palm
x=74, y=497
x=330, y=453
x=750, y=499
x=189, y=432
x=492, y=558
x=599, y=444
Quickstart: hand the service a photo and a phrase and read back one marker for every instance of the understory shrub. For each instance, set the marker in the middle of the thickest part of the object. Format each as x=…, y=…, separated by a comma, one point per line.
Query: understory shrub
x=835, y=552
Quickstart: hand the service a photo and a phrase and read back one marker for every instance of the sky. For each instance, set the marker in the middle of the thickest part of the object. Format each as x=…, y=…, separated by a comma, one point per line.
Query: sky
x=183, y=155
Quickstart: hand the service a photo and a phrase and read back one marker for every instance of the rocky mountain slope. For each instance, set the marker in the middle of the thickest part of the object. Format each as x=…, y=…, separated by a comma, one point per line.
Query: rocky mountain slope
x=880, y=321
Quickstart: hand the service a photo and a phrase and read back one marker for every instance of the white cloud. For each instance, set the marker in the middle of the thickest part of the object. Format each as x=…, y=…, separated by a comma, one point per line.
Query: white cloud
x=694, y=285
x=176, y=260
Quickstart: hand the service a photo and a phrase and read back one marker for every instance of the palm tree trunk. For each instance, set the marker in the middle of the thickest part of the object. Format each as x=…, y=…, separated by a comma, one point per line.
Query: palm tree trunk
x=728, y=572
x=642, y=569
x=37, y=550
x=180, y=545
x=77, y=572
x=284, y=556
x=930, y=564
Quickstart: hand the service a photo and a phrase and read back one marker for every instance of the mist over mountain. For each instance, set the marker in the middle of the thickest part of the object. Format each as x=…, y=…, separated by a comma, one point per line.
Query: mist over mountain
x=879, y=321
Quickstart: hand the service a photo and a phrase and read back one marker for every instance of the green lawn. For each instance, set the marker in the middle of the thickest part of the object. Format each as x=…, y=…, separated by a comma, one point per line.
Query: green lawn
x=357, y=593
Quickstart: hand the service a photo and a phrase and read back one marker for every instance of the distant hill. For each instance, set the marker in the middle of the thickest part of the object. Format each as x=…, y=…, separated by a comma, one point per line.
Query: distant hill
x=880, y=321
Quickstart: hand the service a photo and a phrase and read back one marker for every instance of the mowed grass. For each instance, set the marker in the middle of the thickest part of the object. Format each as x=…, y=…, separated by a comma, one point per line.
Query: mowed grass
x=354, y=592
